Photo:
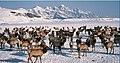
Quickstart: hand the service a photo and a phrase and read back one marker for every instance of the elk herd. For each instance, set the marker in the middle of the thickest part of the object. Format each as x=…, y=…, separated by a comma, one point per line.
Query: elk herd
x=34, y=39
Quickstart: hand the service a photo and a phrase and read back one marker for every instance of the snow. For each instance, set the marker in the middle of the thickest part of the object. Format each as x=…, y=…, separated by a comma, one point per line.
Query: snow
x=98, y=56
x=9, y=20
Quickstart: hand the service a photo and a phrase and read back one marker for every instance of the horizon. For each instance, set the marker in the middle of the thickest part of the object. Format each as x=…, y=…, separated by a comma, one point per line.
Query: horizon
x=101, y=8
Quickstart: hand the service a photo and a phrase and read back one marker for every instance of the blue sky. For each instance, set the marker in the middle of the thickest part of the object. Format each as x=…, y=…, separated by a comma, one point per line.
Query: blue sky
x=103, y=8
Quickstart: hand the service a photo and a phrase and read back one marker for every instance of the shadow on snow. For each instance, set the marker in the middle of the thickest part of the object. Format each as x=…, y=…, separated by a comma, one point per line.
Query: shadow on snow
x=12, y=60
x=19, y=53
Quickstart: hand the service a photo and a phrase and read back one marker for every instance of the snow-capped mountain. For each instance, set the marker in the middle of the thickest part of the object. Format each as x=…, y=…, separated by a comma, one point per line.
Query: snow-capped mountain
x=60, y=12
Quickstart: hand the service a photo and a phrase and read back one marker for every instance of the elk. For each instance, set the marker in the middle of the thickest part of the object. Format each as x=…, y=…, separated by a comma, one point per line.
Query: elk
x=51, y=40
x=25, y=44
x=91, y=41
x=108, y=45
x=117, y=39
x=1, y=42
x=3, y=39
x=81, y=47
x=63, y=38
x=57, y=43
x=77, y=34
x=13, y=41
x=36, y=52
x=43, y=34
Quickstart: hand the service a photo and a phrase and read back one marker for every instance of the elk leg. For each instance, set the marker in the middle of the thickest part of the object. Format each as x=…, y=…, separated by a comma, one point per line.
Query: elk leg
x=78, y=53
x=107, y=50
x=30, y=59
x=113, y=50
x=71, y=49
x=27, y=47
x=24, y=50
x=86, y=53
x=116, y=44
x=54, y=48
x=83, y=53
x=94, y=47
x=36, y=59
x=85, y=31
x=59, y=48
x=18, y=45
x=1, y=45
x=4, y=45
x=102, y=45
x=68, y=38
x=49, y=43
x=14, y=46
x=11, y=46
x=40, y=60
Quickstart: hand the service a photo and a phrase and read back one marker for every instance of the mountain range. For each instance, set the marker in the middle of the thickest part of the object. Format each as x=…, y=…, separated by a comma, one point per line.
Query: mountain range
x=60, y=12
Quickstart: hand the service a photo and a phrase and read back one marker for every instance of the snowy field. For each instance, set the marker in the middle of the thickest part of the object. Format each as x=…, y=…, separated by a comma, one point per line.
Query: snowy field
x=98, y=56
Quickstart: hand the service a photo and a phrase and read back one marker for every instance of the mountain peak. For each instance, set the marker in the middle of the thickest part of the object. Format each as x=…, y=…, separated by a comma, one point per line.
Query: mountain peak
x=37, y=7
x=62, y=5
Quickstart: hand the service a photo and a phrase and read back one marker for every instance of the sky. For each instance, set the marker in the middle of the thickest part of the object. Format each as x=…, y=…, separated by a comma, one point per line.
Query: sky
x=102, y=8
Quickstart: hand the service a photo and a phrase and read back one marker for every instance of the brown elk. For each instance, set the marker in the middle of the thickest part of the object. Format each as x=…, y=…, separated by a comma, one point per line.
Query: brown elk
x=43, y=34
x=1, y=42
x=57, y=43
x=13, y=41
x=81, y=47
x=37, y=52
x=25, y=44
x=51, y=40
x=91, y=41
x=108, y=45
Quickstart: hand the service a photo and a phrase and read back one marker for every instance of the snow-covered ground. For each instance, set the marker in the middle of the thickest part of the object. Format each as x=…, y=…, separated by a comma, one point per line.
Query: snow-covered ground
x=98, y=56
